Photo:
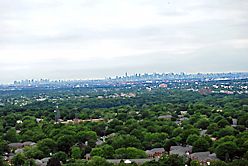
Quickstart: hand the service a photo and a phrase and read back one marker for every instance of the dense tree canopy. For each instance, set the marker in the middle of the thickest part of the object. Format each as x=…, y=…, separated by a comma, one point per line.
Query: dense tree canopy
x=94, y=125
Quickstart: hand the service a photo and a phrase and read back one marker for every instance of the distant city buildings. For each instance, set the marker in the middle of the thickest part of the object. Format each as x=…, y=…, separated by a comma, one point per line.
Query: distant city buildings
x=204, y=83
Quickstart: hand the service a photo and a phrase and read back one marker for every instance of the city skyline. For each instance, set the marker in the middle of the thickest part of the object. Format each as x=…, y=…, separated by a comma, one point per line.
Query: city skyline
x=143, y=76
x=94, y=39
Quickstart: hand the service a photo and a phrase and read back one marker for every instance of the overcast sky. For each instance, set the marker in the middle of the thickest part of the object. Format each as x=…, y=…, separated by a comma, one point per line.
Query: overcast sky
x=80, y=39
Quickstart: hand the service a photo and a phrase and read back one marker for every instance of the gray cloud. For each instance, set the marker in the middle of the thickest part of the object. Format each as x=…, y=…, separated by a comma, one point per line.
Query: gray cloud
x=81, y=39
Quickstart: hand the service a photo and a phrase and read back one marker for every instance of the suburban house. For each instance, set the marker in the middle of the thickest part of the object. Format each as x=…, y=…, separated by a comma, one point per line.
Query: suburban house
x=42, y=162
x=181, y=150
x=203, y=157
x=128, y=161
x=16, y=148
x=165, y=117
x=155, y=153
x=20, y=145
x=15, y=145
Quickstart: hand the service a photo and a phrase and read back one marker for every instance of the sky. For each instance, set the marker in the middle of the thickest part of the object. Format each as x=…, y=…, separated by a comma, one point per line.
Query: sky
x=87, y=39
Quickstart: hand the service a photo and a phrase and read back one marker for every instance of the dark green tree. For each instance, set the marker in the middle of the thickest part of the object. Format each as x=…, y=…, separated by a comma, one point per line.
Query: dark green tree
x=226, y=151
x=201, y=145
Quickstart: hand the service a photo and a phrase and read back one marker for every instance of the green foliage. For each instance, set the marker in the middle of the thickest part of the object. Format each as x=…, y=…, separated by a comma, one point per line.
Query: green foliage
x=77, y=162
x=108, y=151
x=224, y=139
x=89, y=136
x=97, y=152
x=213, y=127
x=171, y=160
x=202, y=123
x=218, y=163
x=227, y=131
x=47, y=146
x=151, y=163
x=125, y=141
x=11, y=135
x=34, y=152
x=192, y=138
x=30, y=162
x=243, y=120
x=226, y=151
x=10, y=120
x=3, y=146
x=129, y=122
x=184, y=135
x=201, y=145
x=129, y=153
x=246, y=155
x=53, y=162
x=152, y=140
x=2, y=162
x=96, y=161
x=65, y=143
x=195, y=163
x=61, y=156
x=76, y=152
x=18, y=159
x=222, y=123
x=239, y=163
x=34, y=135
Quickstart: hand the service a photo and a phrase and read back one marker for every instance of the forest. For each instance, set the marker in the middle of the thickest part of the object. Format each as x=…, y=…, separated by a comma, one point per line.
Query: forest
x=121, y=126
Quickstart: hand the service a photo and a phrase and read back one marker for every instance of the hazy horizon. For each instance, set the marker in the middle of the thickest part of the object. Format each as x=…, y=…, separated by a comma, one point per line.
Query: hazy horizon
x=85, y=39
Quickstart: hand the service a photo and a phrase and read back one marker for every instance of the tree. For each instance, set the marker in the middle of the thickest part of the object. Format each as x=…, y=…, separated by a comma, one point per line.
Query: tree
x=239, y=163
x=89, y=136
x=184, y=135
x=202, y=123
x=19, y=159
x=61, y=156
x=3, y=146
x=192, y=138
x=125, y=141
x=226, y=151
x=34, y=152
x=129, y=153
x=168, y=143
x=212, y=128
x=47, y=146
x=108, y=151
x=11, y=135
x=227, y=131
x=34, y=134
x=97, y=152
x=53, y=162
x=154, y=139
x=30, y=162
x=96, y=161
x=223, y=123
x=171, y=160
x=65, y=143
x=194, y=163
x=10, y=120
x=243, y=120
x=246, y=155
x=218, y=163
x=77, y=162
x=2, y=162
x=200, y=145
x=76, y=152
